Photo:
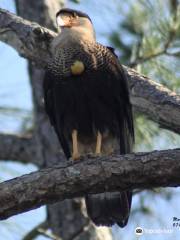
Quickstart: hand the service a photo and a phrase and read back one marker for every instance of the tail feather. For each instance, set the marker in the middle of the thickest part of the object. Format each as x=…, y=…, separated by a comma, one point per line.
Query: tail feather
x=126, y=199
x=106, y=209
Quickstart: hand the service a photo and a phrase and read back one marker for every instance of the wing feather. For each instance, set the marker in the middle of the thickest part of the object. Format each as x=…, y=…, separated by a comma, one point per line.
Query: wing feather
x=53, y=114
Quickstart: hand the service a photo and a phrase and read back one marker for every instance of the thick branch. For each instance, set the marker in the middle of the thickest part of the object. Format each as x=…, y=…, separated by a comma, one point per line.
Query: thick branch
x=14, y=147
x=148, y=97
x=156, y=101
x=28, y=38
x=91, y=176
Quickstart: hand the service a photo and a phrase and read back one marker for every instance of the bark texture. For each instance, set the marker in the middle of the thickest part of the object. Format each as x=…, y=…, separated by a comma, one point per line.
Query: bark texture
x=68, y=180
x=154, y=100
x=28, y=38
x=18, y=148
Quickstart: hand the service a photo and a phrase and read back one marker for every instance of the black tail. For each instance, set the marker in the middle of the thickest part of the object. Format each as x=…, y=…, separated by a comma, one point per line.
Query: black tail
x=109, y=208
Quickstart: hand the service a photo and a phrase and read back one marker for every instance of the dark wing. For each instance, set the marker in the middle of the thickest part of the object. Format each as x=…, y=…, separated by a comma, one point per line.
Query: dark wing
x=49, y=101
x=126, y=124
x=112, y=86
x=125, y=117
x=109, y=208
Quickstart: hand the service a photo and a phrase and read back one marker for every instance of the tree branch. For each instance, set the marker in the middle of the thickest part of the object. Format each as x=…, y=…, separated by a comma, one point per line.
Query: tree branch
x=28, y=38
x=14, y=147
x=156, y=101
x=41, y=229
x=34, y=232
x=69, y=180
x=32, y=41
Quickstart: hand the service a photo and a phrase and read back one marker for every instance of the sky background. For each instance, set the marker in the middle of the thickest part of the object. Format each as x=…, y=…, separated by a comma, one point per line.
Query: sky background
x=15, y=93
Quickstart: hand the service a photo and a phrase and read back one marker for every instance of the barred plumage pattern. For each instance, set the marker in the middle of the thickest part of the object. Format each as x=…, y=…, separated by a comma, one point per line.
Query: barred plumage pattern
x=91, y=54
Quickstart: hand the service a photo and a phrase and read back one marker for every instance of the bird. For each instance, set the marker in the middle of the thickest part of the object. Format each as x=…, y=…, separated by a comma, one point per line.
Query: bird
x=86, y=98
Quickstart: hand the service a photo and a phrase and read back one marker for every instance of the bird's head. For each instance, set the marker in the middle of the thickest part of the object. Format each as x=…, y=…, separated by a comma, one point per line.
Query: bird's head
x=69, y=20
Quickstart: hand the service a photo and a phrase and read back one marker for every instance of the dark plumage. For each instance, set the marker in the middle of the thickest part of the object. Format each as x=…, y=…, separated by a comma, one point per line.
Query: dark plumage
x=95, y=101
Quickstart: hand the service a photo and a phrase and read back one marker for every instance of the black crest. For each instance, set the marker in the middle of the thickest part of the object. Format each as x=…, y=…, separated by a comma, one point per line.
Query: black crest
x=72, y=11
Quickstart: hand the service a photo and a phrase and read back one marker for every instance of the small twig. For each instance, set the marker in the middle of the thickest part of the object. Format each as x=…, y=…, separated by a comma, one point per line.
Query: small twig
x=47, y=234
x=35, y=231
x=171, y=36
x=145, y=59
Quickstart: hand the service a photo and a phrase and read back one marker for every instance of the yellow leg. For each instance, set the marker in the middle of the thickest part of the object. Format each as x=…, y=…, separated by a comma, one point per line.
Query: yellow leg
x=75, y=152
x=98, y=144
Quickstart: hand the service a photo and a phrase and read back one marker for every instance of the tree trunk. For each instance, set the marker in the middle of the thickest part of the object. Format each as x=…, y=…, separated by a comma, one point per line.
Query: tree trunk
x=68, y=218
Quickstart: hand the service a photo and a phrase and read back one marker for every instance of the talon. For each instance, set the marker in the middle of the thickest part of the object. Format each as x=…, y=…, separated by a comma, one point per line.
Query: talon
x=97, y=155
x=71, y=160
x=75, y=156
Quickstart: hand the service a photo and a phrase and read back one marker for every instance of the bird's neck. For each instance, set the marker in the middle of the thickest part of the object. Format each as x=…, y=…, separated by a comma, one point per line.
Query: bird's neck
x=75, y=35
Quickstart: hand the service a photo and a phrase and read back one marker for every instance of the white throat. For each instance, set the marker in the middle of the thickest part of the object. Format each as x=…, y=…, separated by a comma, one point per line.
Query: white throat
x=73, y=35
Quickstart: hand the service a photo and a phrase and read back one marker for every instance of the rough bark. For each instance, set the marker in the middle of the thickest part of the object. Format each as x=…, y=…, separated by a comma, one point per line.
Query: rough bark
x=28, y=38
x=148, y=97
x=154, y=100
x=66, y=218
x=68, y=180
x=14, y=147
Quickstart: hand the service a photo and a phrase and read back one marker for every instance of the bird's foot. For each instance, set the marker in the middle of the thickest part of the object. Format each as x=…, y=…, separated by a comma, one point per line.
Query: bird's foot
x=76, y=157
